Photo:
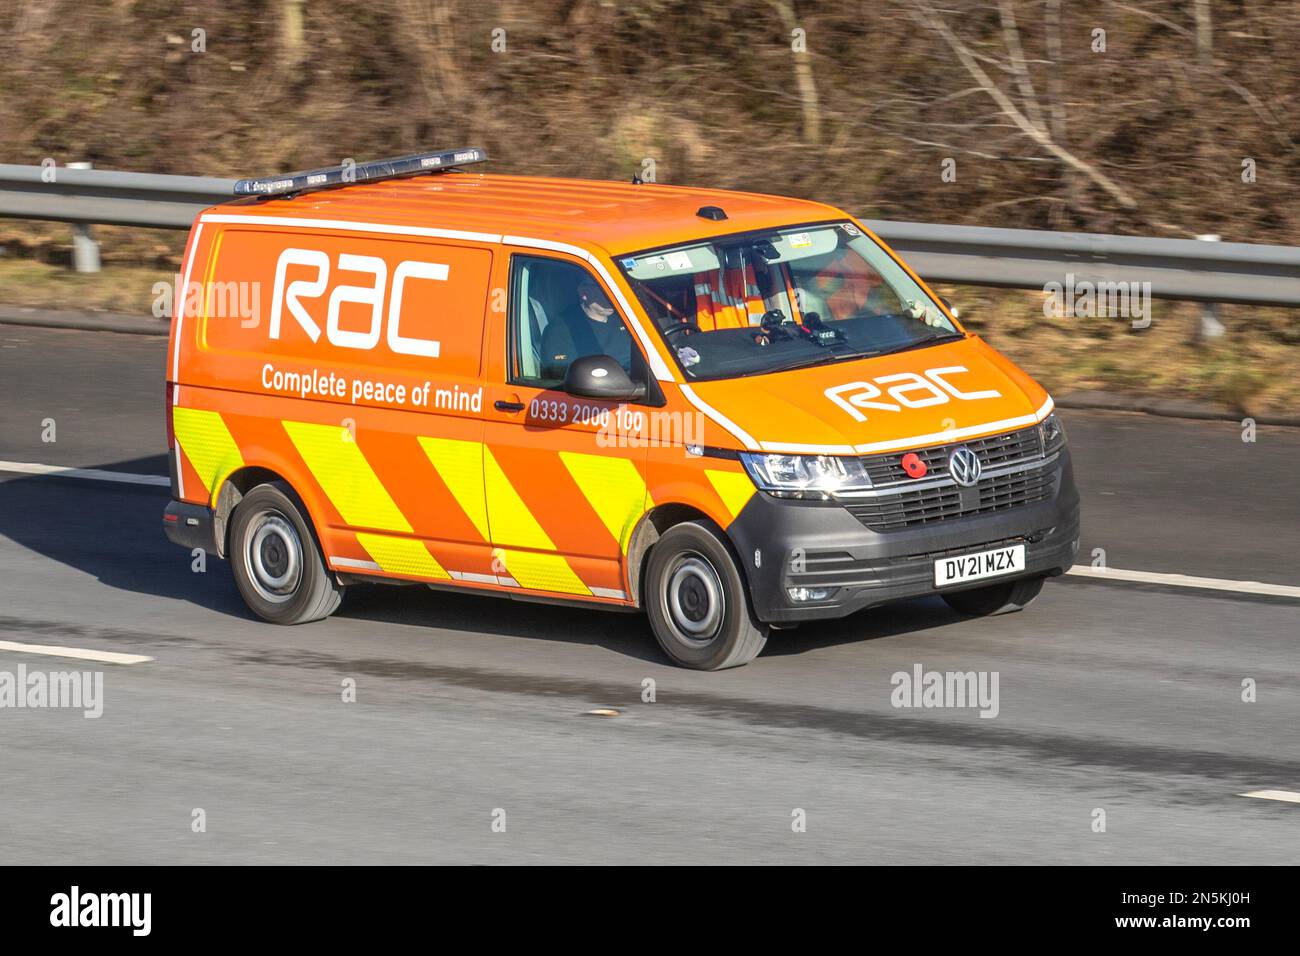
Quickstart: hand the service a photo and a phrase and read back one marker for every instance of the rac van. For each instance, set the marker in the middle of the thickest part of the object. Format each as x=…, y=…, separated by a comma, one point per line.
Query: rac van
x=735, y=412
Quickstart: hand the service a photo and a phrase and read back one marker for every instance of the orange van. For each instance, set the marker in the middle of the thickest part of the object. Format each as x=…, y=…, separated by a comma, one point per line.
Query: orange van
x=735, y=412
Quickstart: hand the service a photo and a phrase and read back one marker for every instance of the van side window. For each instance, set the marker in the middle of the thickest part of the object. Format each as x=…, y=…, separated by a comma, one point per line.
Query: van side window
x=559, y=312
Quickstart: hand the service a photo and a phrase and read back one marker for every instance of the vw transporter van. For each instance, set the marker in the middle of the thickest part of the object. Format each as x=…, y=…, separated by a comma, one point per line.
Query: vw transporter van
x=735, y=412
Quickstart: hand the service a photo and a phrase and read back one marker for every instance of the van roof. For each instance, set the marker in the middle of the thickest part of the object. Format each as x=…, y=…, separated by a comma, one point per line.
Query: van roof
x=614, y=216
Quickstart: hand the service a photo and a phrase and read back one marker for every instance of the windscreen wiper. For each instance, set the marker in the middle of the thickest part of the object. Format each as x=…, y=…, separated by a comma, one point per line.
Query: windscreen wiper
x=846, y=356
x=825, y=358
x=920, y=343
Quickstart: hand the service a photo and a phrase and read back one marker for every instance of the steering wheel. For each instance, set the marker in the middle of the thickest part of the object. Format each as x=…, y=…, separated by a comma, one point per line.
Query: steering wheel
x=682, y=328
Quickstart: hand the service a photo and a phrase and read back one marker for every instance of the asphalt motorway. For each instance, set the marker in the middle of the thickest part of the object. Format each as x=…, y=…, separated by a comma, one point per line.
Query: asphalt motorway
x=1115, y=697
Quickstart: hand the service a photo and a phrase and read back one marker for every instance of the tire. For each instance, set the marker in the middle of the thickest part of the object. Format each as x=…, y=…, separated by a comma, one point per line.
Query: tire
x=698, y=605
x=277, y=561
x=1001, y=598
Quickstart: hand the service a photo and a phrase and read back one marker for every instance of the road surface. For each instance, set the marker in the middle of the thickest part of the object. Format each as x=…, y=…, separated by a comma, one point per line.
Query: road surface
x=1118, y=697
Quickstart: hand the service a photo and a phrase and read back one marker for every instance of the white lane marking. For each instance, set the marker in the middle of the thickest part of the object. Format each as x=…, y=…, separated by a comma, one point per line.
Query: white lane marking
x=91, y=474
x=1185, y=581
x=1286, y=796
x=79, y=653
x=1086, y=571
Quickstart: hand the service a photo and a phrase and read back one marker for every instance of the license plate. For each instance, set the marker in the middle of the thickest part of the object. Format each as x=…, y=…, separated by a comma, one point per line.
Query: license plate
x=982, y=564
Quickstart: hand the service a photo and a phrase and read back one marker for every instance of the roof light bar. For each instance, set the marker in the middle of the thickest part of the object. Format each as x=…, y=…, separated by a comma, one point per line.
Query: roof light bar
x=349, y=173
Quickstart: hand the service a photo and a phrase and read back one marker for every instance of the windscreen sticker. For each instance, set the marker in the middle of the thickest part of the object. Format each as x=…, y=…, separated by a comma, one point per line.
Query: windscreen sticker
x=800, y=240
x=678, y=260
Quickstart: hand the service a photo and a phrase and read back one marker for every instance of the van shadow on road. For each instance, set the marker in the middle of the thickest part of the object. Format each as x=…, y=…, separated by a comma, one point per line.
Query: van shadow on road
x=113, y=532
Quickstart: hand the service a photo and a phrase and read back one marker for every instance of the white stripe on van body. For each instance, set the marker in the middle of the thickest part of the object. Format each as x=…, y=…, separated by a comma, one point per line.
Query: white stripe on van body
x=354, y=563
x=736, y=431
x=657, y=365
x=957, y=434
x=426, y=231
x=179, y=306
x=916, y=441
x=797, y=448
x=661, y=371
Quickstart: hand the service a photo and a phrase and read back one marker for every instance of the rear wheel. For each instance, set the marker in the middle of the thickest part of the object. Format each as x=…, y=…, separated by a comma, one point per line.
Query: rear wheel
x=278, y=565
x=697, y=602
x=1002, y=598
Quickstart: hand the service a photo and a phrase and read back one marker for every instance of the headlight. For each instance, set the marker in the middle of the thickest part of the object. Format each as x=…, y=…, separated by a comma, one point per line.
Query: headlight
x=805, y=476
x=1053, y=434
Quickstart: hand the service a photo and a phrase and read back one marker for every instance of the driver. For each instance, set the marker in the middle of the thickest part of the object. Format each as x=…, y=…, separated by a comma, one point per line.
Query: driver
x=587, y=327
x=839, y=290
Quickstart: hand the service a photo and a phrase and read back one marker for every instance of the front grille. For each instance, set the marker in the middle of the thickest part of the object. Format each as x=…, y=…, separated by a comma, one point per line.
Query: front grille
x=908, y=507
x=929, y=557
x=993, y=450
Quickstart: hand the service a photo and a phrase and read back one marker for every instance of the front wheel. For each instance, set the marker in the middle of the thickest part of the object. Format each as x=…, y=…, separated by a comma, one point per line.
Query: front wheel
x=278, y=566
x=1000, y=598
x=698, y=606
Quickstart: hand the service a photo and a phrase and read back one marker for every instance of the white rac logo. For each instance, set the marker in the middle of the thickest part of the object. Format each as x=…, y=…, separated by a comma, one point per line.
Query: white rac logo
x=907, y=389
x=372, y=295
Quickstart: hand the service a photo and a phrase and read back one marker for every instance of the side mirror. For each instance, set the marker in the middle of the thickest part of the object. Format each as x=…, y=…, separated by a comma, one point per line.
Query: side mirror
x=950, y=307
x=599, y=376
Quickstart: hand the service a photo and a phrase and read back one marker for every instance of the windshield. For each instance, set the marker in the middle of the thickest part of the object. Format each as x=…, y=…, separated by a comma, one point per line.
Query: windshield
x=789, y=298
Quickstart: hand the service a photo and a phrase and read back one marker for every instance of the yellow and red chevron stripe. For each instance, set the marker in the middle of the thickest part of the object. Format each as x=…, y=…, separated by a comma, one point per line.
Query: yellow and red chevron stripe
x=439, y=508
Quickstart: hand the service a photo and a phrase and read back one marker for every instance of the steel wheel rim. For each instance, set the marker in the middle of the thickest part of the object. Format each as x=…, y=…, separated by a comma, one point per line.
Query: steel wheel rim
x=273, y=557
x=693, y=599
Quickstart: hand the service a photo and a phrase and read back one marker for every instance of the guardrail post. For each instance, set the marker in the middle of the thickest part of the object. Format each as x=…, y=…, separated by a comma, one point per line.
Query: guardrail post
x=85, y=250
x=1209, y=327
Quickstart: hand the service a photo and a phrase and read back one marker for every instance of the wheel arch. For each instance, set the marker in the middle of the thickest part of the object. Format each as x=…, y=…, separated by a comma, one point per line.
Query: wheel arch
x=233, y=489
x=652, y=526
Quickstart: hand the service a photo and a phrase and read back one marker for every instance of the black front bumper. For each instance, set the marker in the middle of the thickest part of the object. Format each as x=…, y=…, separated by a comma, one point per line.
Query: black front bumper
x=785, y=544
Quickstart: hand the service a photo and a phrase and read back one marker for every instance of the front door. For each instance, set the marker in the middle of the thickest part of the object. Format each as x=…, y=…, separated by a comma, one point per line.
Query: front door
x=564, y=476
